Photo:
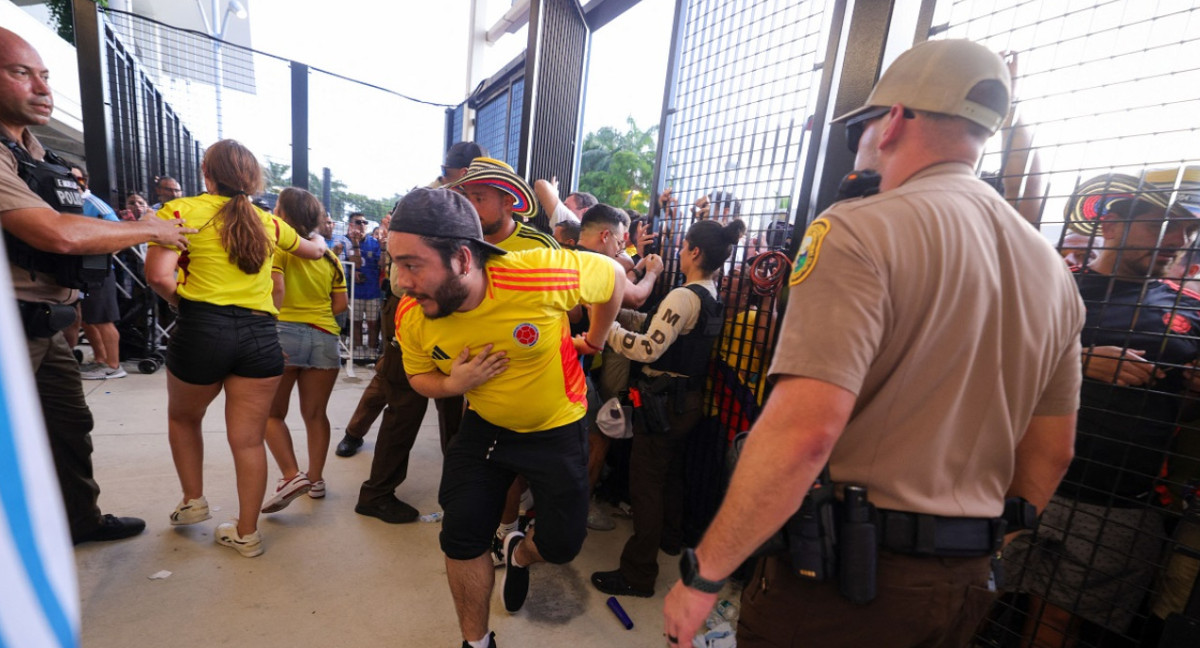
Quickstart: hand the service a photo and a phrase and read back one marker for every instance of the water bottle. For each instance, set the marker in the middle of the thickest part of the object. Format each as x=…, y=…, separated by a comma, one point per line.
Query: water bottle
x=436, y=516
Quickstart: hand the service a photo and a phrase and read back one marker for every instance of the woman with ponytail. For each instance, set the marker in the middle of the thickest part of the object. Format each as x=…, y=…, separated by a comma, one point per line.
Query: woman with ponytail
x=675, y=343
x=308, y=293
x=224, y=337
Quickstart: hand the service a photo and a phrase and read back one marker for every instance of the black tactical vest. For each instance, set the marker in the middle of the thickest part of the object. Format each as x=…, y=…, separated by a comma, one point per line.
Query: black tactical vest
x=51, y=180
x=689, y=354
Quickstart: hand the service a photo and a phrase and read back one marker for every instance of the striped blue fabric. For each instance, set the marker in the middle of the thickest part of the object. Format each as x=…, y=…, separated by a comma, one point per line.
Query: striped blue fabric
x=37, y=566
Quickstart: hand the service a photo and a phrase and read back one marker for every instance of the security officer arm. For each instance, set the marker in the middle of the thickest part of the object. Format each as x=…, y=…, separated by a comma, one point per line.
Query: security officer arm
x=786, y=449
x=466, y=373
x=1042, y=458
x=50, y=231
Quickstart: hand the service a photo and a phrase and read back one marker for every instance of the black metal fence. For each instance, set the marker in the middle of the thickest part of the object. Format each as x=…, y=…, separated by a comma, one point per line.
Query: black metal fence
x=1101, y=87
x=151, y=138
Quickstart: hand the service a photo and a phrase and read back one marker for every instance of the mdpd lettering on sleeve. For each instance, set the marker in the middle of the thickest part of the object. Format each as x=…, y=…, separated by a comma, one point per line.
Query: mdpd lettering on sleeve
x=810, y=248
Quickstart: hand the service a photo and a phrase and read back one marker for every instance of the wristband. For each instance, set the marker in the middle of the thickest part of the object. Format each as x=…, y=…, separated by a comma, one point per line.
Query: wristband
x=591, y=346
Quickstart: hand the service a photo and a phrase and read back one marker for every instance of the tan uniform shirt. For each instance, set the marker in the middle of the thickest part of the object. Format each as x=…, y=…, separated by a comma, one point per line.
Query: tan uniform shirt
x=15, y=194
x=952, y=320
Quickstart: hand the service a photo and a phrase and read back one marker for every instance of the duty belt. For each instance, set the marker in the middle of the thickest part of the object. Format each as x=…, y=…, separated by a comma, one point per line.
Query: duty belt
x=931, y=535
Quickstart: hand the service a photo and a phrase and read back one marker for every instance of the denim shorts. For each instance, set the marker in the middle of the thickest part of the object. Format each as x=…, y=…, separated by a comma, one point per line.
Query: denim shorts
x=211, y=342
x=308, y=347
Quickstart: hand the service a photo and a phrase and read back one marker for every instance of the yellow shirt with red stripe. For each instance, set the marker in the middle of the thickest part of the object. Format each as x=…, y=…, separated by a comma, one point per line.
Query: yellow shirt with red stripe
x=205, y=272
x=307, y=285
x=522, y=315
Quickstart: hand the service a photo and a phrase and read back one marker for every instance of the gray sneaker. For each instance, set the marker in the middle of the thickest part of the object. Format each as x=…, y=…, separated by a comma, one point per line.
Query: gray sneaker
x=110, y=373
x=96, y=372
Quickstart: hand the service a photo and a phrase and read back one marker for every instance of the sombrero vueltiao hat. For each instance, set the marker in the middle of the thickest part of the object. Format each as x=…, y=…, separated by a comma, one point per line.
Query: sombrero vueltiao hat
x=1175, y=190
x=495, y=173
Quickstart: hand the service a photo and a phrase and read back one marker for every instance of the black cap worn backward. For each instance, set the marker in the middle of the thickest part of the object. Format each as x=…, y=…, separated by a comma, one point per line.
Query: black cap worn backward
x=460, y=154
x=438, y=213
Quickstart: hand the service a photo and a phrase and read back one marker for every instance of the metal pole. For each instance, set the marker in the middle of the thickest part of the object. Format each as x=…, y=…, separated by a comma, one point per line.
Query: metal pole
x=218, y=72
x=93, y=93
x=300, y=127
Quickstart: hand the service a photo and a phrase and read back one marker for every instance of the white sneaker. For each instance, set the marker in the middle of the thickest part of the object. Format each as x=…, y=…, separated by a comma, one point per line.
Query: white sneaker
x=318, y=489
x=249, y=546
x=110, y=373
x=191, y=512
x=286, y=491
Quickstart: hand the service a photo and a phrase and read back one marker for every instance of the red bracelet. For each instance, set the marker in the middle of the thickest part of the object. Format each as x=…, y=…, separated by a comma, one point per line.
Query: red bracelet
x=591, y=346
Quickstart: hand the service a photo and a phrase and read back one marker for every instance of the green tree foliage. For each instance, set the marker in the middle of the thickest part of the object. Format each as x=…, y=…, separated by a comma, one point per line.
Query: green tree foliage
x=61, y=13
x=341, y=202
x=618, y=167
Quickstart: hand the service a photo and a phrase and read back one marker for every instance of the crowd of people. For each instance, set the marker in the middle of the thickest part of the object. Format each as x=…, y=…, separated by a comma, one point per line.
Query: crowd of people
x=938, y=366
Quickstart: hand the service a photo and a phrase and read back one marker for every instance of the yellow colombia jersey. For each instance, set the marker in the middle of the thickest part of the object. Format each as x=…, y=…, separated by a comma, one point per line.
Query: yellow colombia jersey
x=307, y=285
x=205, y=272
x=522, y=315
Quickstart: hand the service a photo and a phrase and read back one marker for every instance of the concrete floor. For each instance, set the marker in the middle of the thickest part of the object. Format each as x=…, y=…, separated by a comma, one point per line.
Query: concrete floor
x=329, y=577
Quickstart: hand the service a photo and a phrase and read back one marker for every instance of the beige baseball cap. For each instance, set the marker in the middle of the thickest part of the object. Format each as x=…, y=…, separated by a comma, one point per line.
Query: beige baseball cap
x=951, y=77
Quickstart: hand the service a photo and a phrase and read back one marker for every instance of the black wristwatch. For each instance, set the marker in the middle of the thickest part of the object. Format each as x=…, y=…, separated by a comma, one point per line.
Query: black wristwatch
x=689, y=572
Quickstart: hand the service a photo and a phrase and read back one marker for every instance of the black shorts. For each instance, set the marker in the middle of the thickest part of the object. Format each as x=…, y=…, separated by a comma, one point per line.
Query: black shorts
x=482, y=461
x=211, y=342
x=100, y=305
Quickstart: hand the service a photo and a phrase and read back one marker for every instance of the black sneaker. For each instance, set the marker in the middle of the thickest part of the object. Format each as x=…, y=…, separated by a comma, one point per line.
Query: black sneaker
x=614, y=583
x=515, y=586
x=388, y=509
x=348, y=446
x=113, y=528
x=491, y=641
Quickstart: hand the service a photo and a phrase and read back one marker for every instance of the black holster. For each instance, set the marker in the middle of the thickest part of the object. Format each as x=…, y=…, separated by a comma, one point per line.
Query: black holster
x=649, y=399
x=809, y=537
x=42, y=320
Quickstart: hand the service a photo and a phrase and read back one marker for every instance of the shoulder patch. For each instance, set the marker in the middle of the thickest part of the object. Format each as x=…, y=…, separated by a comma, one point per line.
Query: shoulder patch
x=810, y=249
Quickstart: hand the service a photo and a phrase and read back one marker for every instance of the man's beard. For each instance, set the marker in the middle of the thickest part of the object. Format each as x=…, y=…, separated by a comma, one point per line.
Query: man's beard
x=449, y=296
x=492, y=228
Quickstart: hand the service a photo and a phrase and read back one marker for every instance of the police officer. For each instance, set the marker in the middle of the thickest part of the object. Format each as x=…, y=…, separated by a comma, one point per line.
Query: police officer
x=46, y=242
x=929, y=354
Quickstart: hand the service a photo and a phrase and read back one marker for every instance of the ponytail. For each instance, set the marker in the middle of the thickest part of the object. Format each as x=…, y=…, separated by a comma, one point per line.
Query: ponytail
x=236, y=173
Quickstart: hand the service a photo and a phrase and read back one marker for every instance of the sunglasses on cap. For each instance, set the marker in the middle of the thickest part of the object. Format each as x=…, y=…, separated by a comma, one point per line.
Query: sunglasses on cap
x=856, y=126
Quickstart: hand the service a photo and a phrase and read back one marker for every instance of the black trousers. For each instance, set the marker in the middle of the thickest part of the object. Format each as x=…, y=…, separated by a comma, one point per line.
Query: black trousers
x=378, y=395
x=403, y=409
x=69, y=428
x=656, y=491
x=401, y=423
